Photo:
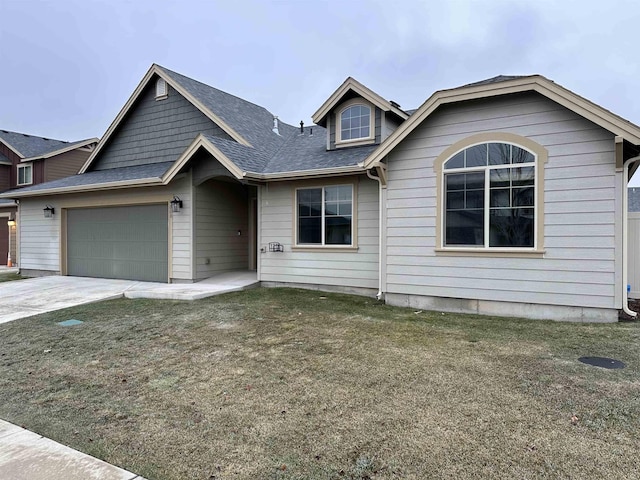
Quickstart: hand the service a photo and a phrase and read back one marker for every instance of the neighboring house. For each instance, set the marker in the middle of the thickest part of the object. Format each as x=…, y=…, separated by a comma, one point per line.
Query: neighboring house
x=633, y=218
x=501, y=197
x=27, y=160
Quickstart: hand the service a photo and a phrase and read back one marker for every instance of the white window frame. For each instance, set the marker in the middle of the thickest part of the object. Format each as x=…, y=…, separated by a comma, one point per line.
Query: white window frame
x=372, y=126
x=486, y=170
x=324, y=245
x=24, y=167
x=541, y=156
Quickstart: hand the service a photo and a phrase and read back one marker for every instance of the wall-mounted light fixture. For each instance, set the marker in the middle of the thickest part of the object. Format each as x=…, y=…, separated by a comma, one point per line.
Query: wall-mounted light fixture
x=11, y=221
x=49, y=211
x=176, y=204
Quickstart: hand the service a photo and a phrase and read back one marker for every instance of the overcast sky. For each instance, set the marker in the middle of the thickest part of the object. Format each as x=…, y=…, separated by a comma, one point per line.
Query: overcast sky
x=67, y=67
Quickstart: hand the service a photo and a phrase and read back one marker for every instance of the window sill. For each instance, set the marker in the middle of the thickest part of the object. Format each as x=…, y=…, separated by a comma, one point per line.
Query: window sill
x=489, y=252
x=354, y=143
x=323, y=248
x=24, y=184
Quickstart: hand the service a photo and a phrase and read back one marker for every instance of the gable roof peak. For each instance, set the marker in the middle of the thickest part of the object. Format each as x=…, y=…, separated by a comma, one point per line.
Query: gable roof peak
x=353, y=85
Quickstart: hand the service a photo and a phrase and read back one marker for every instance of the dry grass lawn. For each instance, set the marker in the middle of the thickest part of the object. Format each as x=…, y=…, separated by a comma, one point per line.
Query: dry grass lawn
x=9, y=277
x=292, y=384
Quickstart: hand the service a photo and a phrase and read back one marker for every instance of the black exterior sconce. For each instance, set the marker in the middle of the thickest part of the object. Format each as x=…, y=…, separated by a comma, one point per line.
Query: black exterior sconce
x=49, y=211
x=176, y=204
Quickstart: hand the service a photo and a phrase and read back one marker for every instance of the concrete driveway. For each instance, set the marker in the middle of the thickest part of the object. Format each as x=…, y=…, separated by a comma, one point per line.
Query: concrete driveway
x=23, y=298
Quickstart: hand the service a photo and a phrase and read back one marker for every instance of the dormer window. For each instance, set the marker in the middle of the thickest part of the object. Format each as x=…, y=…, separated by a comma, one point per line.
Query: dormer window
x=161, y=89
x=355, y=124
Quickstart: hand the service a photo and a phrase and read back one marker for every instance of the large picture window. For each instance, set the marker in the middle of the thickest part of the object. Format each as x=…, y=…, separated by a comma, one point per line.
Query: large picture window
x=325, y=215
x=490, y=197
x=25, y=174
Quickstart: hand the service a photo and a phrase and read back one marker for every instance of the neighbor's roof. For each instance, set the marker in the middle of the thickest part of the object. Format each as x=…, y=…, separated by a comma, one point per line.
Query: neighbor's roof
x=31, y=147
x=4, y=160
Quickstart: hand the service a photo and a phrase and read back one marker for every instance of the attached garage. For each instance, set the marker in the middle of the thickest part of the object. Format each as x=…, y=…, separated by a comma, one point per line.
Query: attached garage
x=129, y=243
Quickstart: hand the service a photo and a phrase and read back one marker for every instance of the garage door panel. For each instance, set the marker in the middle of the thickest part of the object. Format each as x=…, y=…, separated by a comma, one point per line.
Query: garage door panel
x=118, y=242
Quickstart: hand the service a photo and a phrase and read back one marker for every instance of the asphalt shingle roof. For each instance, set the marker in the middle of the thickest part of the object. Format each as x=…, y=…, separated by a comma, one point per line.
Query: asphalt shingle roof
x=250, y=121
x=269, y=152
x=309, y=152
x=31, y=146
x=97, y=177
x=496, y=79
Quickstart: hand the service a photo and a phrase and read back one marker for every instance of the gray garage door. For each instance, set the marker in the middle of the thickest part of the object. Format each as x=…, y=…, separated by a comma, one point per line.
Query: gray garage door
x=118, y=242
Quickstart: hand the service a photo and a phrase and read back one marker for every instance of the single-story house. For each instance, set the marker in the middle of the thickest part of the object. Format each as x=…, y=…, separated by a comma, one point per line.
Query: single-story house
x=505, y=197
x=27, y=160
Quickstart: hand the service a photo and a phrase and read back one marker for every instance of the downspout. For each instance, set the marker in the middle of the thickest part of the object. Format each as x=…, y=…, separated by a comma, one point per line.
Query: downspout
x=380, y=294
x=625, y=229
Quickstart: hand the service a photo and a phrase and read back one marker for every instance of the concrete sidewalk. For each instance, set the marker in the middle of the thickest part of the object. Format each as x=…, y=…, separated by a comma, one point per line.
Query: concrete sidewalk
x=33, y=296
x=25, y=455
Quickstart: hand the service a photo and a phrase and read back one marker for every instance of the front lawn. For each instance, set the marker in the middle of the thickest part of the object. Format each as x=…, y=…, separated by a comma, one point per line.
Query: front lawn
x=293, y=384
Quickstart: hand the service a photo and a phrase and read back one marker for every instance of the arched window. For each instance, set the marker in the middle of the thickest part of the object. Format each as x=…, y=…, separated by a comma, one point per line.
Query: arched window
x=491, y=194
x=355, y=123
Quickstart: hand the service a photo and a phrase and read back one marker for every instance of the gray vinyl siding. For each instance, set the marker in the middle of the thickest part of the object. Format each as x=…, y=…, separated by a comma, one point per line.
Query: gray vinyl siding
x=342, y=269
x=332, y=131
x=40, y=237
x=155, y=131
x=391, y=123
x=64, y=165
x=378, y=125
x=580, y=198
x=222, y=210
x=204, y=167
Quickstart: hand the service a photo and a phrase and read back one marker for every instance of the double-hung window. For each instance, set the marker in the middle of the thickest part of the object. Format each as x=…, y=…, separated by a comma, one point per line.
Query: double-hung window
x=325, y=215
x=25, y=174
x=490, y=197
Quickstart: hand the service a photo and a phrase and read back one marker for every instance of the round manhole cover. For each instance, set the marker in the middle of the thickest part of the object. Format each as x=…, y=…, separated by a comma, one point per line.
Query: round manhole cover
x=602, y=362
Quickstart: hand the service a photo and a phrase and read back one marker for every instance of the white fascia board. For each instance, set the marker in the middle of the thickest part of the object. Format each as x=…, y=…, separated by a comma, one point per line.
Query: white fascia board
x=143, y=182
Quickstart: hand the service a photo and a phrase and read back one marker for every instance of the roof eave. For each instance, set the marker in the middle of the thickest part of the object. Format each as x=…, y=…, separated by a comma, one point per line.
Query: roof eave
x=537, y=83
x=302, y=174
x=142, y=182
x=201, y=142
